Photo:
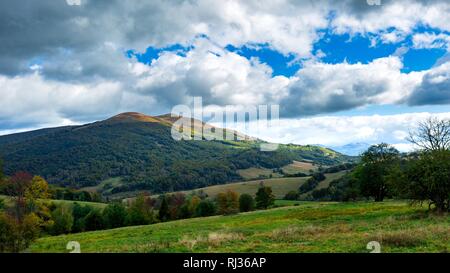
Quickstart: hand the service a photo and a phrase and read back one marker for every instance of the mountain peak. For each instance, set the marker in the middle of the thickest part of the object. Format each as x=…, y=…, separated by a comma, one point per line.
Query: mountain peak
x=133, y=116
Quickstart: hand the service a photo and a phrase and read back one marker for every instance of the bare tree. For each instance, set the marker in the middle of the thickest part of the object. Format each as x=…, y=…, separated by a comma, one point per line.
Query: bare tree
x=433, y=134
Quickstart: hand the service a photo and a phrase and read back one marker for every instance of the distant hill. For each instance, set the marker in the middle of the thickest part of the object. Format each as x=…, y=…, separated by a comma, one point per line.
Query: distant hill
x=352, y=149
x=140, y=152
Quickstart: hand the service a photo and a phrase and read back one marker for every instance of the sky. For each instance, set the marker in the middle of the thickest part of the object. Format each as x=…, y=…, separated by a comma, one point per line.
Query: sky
x=342, y=72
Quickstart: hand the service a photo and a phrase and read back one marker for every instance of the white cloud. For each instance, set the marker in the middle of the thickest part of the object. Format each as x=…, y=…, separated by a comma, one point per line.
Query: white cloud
x=431, y=40
x=320, y=87
x=341, y=130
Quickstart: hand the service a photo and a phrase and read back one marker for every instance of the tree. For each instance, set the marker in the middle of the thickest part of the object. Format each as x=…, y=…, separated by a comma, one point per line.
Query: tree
x=176, y=201
x=62, y=221
x=94, y=220
x=431, y=135
x=79, y=213
x=114, y=215
x=292, y=195
x=17, y=187
x=205, y=208
x=427, y=179
x=163, y=212
x=246, y=203
x=228, y=202
x=264, y=197
x=140, y=212
x=16, y=236
x=38, y=189
x=373, y=172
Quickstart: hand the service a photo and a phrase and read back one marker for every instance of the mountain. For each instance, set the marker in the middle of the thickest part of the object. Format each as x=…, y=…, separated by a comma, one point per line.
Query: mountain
x=138, y=151
x=352, y=149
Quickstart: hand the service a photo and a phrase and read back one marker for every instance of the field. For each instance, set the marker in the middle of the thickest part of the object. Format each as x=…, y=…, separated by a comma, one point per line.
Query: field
x=280, y=186
x=297, y=167
x=307, y=227
x=255, y=173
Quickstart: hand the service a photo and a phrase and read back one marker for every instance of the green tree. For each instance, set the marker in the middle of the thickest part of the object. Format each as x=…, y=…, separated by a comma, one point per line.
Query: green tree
x=205, y=208
x=163, y=212
x=79, y=213
x=114, y=215
x=94, y=220
x=62, y=221
x=427, y=179
x=292, y=195
x=15, y=235
x=246, y=203
x=228, y=202
x=373, y=172
x=140, y=212
x=264, y=197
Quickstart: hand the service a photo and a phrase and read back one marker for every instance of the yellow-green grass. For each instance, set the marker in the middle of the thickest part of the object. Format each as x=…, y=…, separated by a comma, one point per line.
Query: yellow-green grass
x=254, y=173
x=9, y=202
x=297, y=167
x=308, y=227
x=280, y=186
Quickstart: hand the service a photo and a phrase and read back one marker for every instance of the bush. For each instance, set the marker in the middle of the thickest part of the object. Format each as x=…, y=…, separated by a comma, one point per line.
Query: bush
x=246, y=203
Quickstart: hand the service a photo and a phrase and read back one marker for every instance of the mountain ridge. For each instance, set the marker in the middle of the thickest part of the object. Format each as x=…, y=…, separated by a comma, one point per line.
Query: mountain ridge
x=140, y=150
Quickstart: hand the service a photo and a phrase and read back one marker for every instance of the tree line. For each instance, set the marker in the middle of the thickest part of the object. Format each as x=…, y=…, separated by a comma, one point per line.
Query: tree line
x=32, y=213
x=422, y=176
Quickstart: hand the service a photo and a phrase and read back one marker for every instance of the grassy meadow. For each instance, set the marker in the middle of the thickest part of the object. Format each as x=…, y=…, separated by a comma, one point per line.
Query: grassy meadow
x=305, y=227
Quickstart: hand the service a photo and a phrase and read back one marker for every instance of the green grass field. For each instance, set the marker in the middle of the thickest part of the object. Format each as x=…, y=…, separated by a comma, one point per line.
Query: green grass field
x=307, y=227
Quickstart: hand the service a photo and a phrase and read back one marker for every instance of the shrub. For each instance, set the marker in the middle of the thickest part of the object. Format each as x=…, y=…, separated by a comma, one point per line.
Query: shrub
x=246, y=203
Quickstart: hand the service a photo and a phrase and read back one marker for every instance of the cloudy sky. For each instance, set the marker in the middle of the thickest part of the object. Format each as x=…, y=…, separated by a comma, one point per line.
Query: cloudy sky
x=341, y=71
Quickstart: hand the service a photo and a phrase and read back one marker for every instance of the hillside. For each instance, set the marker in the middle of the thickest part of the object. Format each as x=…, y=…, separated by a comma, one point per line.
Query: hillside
x=140, y=152
x=308, y=227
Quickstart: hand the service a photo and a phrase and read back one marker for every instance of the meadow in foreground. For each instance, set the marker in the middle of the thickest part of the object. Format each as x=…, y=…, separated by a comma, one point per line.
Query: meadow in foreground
x=307, y=227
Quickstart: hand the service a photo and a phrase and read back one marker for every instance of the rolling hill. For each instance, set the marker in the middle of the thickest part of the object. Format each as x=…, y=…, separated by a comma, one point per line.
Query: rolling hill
x=139, y=152
x=307, y=227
